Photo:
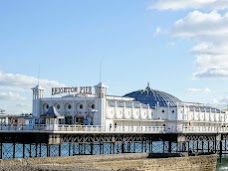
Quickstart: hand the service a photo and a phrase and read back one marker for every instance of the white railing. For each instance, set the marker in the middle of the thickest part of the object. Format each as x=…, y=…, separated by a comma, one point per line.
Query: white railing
x=117, y=129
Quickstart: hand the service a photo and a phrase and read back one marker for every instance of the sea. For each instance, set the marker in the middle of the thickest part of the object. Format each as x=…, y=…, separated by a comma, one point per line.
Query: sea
x=7, y=151
x=223, y=166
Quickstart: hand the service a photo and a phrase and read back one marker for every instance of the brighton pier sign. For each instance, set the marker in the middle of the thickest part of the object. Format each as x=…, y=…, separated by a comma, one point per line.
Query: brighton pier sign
x=76, y=90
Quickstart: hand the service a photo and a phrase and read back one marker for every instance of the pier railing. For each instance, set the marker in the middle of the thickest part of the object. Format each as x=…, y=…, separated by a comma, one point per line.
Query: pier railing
x=118, y=129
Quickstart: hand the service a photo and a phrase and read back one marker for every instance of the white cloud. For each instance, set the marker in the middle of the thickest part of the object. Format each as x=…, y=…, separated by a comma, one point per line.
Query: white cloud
x=211, y=66
x=11, y=96
x=210, y=32
x=22, y=105
x=15, y=91
x=220, y=103
x=211, y=48
x=199, y=90
x=158, y=30
x=189, y=4
x=171, y=43
x=205, y=25
x=211, y=73
x=24, y=81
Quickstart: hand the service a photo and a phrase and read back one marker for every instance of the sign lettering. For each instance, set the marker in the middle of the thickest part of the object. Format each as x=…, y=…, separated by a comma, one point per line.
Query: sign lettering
x=76, y=90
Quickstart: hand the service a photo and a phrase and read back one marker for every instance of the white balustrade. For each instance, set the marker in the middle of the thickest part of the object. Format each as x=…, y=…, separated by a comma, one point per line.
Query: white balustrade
x=117, y=129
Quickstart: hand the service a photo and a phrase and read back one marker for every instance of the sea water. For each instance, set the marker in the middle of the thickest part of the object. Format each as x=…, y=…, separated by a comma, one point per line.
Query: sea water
x=73, y=149
x=222, y=166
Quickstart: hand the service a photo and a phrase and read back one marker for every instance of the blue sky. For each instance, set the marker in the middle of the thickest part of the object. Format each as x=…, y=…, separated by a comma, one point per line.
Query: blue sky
x=178, y=46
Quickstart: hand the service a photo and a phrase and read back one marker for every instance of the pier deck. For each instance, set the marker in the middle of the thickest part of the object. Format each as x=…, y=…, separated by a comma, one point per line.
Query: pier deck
x=24, y=141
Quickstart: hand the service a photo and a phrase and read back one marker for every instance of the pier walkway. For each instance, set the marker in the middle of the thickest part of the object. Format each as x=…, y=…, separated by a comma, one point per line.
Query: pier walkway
x=45, y=140
x=77, y=129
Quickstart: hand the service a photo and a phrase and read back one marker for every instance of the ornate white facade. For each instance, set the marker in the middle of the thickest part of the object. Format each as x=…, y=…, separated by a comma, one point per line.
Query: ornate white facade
x=114, y=112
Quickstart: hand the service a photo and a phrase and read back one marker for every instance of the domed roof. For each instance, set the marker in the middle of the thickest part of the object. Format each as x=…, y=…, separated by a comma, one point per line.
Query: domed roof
x=154, y=97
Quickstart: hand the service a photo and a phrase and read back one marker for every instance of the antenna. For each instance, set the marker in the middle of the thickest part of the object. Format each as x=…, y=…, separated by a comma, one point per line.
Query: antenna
x=100, y=71
x=39, y=75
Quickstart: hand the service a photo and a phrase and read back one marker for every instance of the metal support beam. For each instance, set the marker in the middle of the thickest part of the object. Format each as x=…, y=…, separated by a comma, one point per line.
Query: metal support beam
x=60, y=149
x=14, y=149
x=170, y=147
x=23, y=150
x=0, y=150
x=48, y=150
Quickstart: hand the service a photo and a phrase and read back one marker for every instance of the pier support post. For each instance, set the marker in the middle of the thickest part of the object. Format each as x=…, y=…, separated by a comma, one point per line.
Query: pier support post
x=79, y=149
x=225, y=145
x=113, y=148
x=0, y=150
x=40, y=149
x=84, y=148
x=91, y=148
x=151, y=150
x=163, y=146
x=129, y=147
x=170, y=147
x=188, y=145
x=60, y=149
x=23, y=150
x=220, y=152
x=184, y=147
x=69, y=149
x=202, y=146
x=14, y=149
x=215, y=144
x=48, y=150
x=30, y=150
x=122, y=146
x=197, y=145
x=100, y=148
x=36, y=150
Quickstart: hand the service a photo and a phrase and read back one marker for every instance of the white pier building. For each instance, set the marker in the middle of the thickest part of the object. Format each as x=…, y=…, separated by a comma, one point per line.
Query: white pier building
x=142, y=110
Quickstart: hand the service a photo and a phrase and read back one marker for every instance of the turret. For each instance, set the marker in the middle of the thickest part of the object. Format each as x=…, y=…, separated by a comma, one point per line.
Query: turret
x=100, y=91
x=38, y=93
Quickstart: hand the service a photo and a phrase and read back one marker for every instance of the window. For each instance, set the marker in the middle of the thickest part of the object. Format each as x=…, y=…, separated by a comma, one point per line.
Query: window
x=163, y=111
x=81, y=106
x=47, y=106
x=58, y=106
x=173, y=111
x=69, y=106
x=93, y=106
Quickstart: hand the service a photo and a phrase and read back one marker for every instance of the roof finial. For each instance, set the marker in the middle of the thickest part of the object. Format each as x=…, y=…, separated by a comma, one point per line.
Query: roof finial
x=148, y=84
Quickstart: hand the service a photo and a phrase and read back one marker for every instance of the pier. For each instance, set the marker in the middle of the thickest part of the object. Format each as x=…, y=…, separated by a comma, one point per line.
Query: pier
x=92, y=122
x=41, y=140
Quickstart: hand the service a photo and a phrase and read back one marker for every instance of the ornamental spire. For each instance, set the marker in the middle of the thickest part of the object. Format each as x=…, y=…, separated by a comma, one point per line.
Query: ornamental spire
x=148, y=86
